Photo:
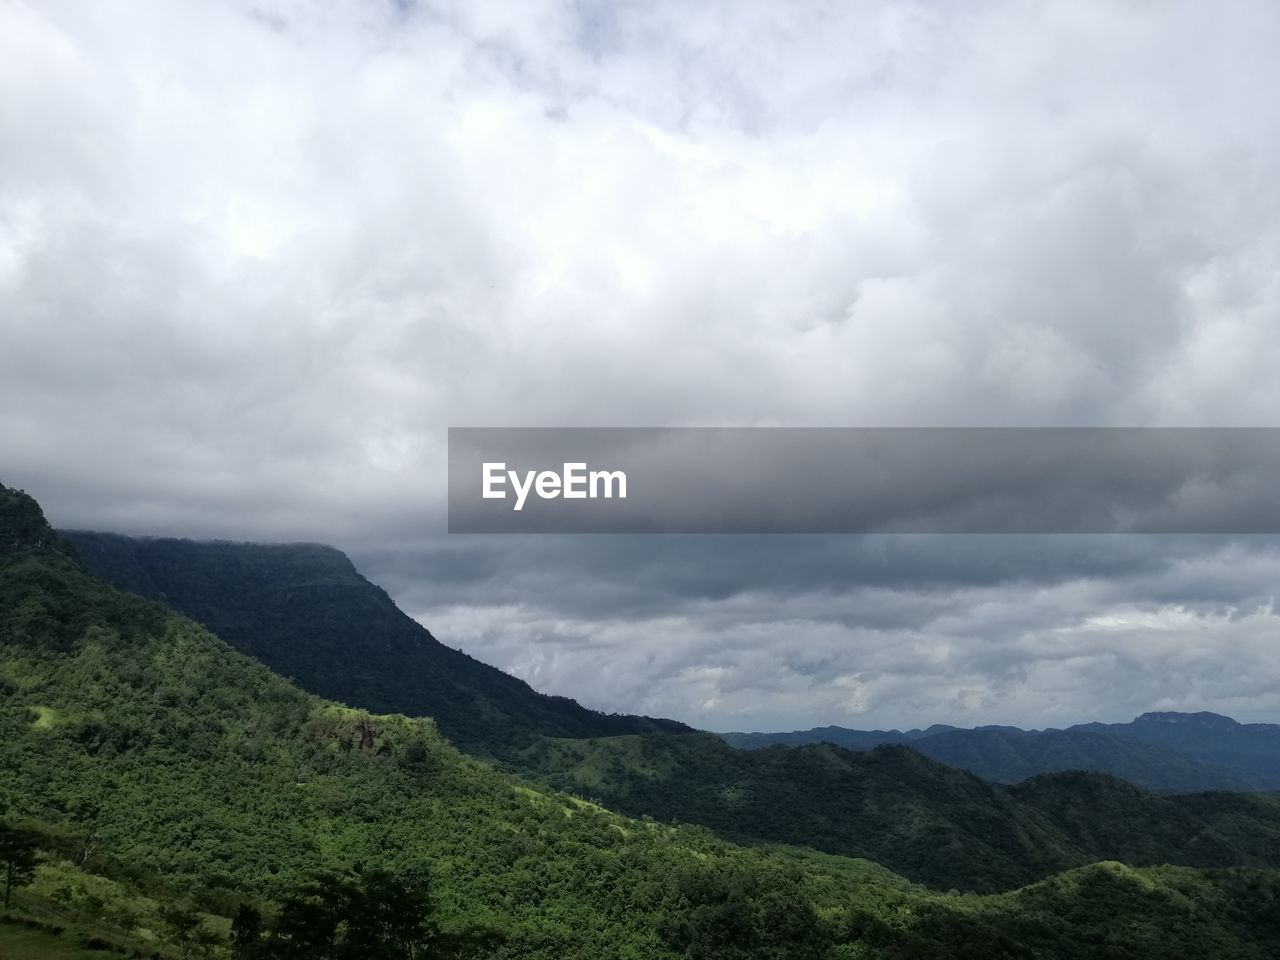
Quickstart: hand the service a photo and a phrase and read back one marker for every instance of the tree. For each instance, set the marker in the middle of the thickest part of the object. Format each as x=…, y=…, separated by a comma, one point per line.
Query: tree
x=361, y=915
x=310, y=923
x=246, y=932
x=184, y=926
x=17, y=858
x=388, y=916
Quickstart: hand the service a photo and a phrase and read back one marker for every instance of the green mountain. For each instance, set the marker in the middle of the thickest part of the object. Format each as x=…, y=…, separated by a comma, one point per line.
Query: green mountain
x=1165, y=756
x=172, y=782
x=932, y=823
x=839, y=736
x=306, y=612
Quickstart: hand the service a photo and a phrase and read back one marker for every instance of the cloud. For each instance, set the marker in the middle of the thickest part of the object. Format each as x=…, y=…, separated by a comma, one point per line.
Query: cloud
x=255, y=257
x=784, y=632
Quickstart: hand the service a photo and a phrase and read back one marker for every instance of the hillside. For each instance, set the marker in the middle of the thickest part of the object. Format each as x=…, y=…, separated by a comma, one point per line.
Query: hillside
x=304, y=611
x=839, y=736
x=927, y=821
x=1188, y=756
x=930, y=822
x=172, y=781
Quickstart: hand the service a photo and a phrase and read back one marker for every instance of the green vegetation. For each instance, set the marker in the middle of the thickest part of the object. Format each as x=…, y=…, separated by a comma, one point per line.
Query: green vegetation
x=18, y=941
x=184, y=789
x=929, y=822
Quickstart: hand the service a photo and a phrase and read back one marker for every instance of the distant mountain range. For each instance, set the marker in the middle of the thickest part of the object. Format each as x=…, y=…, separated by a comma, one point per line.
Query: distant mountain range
x=1165, y=752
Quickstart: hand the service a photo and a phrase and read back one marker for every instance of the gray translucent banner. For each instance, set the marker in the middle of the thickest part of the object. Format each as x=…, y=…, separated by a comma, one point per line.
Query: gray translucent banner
x=864, y=480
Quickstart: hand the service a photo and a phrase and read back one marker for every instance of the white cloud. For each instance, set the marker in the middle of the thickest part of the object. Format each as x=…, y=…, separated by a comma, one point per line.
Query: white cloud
x=1066, y=652
x=255, y=257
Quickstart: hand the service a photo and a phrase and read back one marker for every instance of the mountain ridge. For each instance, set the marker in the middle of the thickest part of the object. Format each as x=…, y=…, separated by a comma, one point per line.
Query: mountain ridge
x=1165, y=751
x=290, y=596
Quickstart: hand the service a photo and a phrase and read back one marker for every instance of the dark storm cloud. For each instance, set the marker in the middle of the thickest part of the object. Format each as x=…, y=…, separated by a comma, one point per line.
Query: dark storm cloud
x=640, y=575
x=244, y=296
x=741, y=631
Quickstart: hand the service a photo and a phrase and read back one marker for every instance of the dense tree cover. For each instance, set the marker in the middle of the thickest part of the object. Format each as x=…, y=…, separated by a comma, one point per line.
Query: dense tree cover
x=1165, y=757
x=178, y=787
x=359, y=915
x=932, y=823
x=304, y=610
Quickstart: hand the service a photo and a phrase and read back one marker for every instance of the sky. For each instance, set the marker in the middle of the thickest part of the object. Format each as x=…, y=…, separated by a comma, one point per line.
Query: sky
x=256, y=258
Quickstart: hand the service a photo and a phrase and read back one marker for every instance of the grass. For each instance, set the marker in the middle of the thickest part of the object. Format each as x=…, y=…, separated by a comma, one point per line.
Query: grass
x=20, y=943
x=66, y=907
x=46, y=718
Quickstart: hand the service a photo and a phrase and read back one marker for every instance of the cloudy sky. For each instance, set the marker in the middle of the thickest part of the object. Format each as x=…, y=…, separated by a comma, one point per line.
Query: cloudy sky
x=255, y=258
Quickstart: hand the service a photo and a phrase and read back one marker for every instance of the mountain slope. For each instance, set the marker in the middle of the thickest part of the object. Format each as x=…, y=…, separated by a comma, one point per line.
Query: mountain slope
x=839, y=736
x=304, y=611
x=927, y=821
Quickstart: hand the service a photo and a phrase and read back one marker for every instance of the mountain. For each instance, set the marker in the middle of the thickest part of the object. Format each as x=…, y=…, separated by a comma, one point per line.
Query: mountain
x=1011, y=756
x=304, y=611
x=1166, y=753
x=1251, y=748
x=925, y=821
x=840, y=736
x=171, y=782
